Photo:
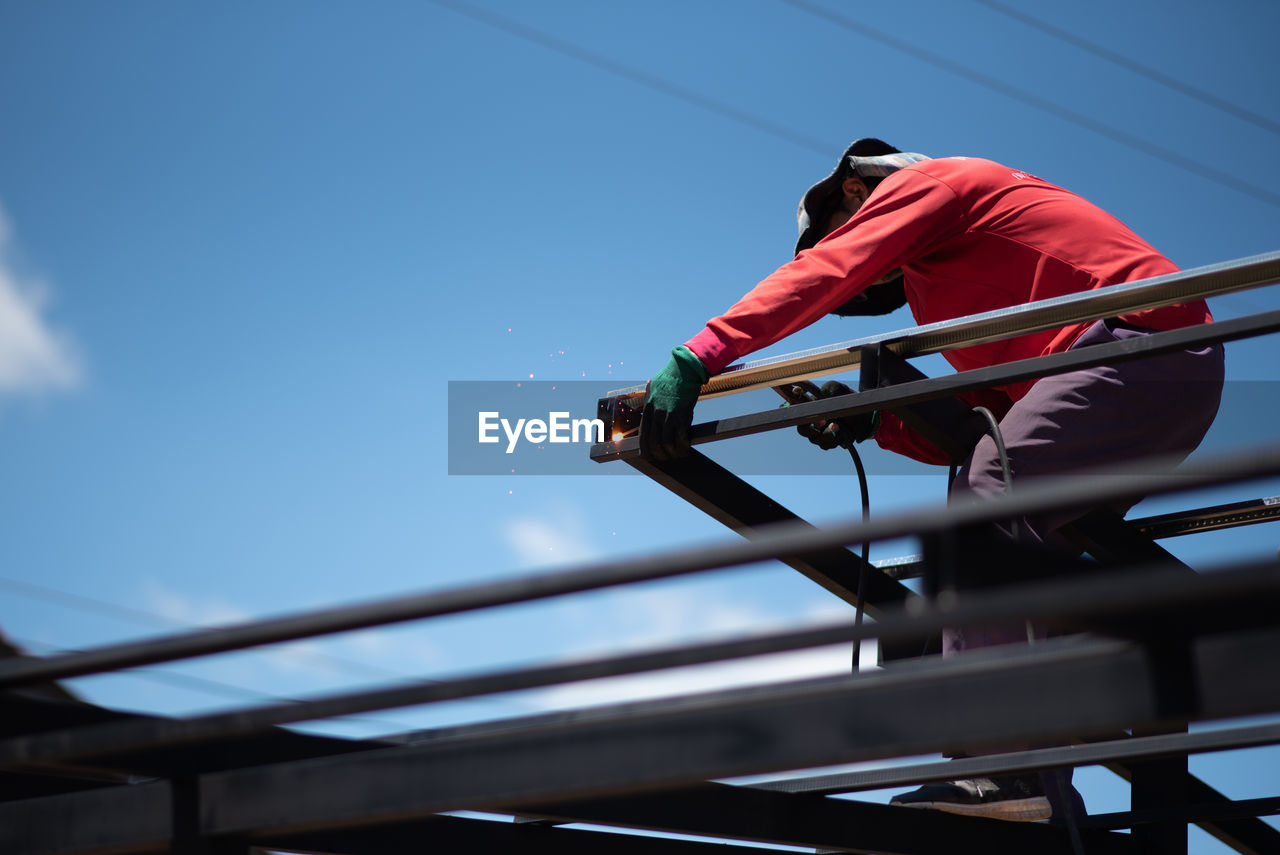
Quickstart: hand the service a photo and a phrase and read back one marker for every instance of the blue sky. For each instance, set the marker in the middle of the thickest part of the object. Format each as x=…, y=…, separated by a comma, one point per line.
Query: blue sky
x=244, y=249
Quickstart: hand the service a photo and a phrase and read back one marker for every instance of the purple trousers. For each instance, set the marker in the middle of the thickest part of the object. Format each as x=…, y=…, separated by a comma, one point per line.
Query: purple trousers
x=1107, y=416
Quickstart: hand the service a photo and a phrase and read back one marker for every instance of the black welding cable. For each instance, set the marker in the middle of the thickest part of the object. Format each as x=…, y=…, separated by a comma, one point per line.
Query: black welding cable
x=806, y=391
x=1059, y=777
x=861, y=603
x=993, y=429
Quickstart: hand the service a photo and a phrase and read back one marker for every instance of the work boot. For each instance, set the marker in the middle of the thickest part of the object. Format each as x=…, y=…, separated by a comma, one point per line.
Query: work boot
x=1017, y=799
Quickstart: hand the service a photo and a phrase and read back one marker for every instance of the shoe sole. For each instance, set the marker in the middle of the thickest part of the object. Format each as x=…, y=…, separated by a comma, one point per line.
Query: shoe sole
x=1013, y=810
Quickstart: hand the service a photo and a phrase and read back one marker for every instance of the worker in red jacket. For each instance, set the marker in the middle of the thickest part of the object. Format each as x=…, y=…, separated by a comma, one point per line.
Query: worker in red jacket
x=950, y=237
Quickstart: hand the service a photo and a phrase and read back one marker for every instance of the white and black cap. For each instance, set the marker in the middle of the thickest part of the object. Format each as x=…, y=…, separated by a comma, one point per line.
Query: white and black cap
x=866, y=158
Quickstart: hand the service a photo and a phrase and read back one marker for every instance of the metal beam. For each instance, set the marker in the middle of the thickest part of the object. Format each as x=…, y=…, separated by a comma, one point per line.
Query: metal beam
x=1213, y=518
x=906, y=394
x=1197, y=814
x=838, y=825
x=1056, y=691
x=1068, y=756
x=1159, y=527
x=1053, y=692
x=1229, y=599
x=734, y=503
x=137, y=818
x=729, y=500
x=788, y=541
x=1248, y=835
x=1201, y=282
x=450, y=835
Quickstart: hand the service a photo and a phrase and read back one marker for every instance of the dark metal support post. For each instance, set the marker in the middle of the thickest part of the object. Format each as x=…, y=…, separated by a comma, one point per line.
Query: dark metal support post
x=1163, y=784
x=187, y=837
x=948, y=423
x=186, y=818
x=1160, y=785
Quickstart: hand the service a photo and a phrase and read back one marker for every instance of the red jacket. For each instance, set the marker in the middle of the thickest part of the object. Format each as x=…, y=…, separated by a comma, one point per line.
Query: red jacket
x=970, y=236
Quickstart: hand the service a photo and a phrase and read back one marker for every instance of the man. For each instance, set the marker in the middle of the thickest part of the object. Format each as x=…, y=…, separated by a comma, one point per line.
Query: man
x=952, y=237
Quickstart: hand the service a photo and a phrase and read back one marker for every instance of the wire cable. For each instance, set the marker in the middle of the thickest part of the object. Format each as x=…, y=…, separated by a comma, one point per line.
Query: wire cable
x=92, y=605
x=1059, y=778
x=203, y=684
x=993, y=430
x=1204, y=97
x=1173, y=158
x=861, y=604
x=635, y=75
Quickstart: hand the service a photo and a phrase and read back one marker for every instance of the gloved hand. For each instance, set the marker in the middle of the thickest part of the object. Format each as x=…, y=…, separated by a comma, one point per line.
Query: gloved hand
x=668, y=407
x=838, y=433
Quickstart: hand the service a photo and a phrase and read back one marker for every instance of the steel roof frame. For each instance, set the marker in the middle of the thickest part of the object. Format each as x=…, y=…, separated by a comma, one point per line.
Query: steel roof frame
x=225, y=784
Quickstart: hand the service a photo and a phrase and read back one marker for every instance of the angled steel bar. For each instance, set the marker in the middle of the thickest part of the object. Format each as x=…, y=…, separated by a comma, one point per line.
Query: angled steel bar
x=1214, y=518
x=1209, y=281
x=905, y=394
x=1249, y=835
x=451, y=835
x=1195, y=814
x=1246, y=835
x=1069, y=756
x=786, y=541
x=1107, y=537
x=825, y=824
x=130, y=819
x=1055, y=692
x=1159, y=527
x=739, y=506
x=1226, y=599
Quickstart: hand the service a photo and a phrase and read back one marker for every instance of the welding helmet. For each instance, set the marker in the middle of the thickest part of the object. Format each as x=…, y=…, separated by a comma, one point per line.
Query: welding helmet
x=868, y=158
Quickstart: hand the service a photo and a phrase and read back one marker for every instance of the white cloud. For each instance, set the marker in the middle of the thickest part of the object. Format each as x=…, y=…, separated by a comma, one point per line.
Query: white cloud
x=181, y=610
x=639, y=619
x=557, y=539
x=780, y=667
x=375, y=654
x=33, y=356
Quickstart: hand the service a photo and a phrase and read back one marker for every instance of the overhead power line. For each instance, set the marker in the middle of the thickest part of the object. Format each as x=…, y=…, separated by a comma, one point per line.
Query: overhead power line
x=1153, y=74
x=637, y=76
x=785, y=133
x=93, y=605
x=1173, y=158
x=202, y=684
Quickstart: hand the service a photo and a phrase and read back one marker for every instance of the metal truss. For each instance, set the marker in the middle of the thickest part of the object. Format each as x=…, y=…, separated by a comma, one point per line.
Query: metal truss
x=1148, y=649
